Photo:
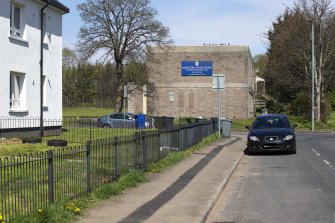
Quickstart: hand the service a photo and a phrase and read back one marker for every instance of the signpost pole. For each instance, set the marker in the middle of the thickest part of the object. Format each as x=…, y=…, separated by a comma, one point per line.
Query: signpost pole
x=218, y=84
x=219, y=106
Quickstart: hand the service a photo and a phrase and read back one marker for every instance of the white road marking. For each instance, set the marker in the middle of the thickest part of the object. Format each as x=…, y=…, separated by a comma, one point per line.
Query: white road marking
x=316, y=152
x=328, y=163
x=325, y=161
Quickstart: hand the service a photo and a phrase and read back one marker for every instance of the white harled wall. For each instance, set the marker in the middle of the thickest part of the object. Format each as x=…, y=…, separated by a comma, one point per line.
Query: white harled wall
x=23, y=55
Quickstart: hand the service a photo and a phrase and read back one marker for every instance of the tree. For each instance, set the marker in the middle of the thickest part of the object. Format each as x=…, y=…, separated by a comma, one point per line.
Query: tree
x=70, y=59
x=122, y=30
x=70, y=63
x=79, y=79
x=260, y=64
x=289, y=66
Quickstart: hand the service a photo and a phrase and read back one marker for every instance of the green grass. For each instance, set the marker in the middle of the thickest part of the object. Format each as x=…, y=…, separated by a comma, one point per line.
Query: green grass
x=74, y=137
x=173, y=158
x=239, y=124
x=86, y=112
x=68, y=210
x=13, y=147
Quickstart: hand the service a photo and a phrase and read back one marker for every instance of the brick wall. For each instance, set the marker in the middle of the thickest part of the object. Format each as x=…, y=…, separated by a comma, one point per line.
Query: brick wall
x=194, y=95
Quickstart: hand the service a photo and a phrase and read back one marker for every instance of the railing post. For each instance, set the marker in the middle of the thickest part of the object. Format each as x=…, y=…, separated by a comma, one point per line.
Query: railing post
x=115, y=157
x=91, y=131
x=196, y=133
x=144, y=147
x=136, y=158
x=179, y=138
x=88, y=160
x=159, y=144
x=51, y=191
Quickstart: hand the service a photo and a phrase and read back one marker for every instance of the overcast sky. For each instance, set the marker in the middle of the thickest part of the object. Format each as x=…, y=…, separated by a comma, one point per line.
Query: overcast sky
x=195, y=22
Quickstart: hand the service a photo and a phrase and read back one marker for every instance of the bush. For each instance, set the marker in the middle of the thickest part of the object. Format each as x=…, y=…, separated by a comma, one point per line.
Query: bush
x=300, y=105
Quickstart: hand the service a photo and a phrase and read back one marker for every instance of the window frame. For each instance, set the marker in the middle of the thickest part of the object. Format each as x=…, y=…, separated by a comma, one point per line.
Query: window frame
x=14, y=30
x=17, y=83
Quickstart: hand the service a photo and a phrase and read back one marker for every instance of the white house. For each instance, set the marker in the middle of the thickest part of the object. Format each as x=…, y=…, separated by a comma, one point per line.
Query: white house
x=20, y=58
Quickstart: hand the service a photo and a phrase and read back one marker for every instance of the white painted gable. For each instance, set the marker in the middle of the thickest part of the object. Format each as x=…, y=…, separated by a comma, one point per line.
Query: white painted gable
x=20, y=59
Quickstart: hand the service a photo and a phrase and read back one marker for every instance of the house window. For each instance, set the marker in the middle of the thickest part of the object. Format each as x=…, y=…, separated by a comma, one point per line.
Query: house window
x=17, y=82
x=15, y=20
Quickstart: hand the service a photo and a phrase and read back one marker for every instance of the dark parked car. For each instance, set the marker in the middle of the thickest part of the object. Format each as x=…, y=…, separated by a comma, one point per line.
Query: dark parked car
x=117, y=120
x=271, y=132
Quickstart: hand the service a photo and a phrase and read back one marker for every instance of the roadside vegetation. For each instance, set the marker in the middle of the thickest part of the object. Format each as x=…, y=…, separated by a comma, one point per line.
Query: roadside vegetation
x=303, y=124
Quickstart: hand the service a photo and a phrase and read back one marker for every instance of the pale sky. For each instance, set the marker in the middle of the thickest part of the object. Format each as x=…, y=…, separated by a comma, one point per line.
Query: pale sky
x=195, y=22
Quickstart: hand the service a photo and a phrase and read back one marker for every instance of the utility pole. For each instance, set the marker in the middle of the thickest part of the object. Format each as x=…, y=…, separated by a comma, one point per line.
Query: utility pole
x=313, y=76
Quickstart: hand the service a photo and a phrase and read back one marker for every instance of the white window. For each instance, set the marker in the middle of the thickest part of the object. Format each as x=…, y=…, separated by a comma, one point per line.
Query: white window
x=15, y=20
x=17, y=86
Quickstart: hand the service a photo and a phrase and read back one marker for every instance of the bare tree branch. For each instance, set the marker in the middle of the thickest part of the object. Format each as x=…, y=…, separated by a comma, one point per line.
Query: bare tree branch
x=121, y=30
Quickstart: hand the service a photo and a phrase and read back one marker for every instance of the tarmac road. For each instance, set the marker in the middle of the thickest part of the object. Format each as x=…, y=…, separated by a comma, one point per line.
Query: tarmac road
x=283, y=188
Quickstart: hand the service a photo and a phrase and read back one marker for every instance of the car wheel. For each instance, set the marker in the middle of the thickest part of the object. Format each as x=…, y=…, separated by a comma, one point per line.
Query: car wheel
x=294, y=149
x=248, y=152
x=107, y=126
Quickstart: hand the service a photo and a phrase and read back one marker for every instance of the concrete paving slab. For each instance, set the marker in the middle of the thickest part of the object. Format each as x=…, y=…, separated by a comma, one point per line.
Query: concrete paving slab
x=185, y=192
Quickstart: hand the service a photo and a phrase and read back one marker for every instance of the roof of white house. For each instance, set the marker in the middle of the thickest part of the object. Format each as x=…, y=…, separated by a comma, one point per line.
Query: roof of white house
x=58, y=5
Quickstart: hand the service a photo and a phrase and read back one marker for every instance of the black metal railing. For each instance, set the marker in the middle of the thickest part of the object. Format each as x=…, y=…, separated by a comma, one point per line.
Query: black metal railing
x=34, y=181
x=80, y=130
x=74, y=130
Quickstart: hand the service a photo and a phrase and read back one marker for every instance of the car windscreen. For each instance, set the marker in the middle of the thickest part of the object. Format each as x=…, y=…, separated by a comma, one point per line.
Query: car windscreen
x=271, y=122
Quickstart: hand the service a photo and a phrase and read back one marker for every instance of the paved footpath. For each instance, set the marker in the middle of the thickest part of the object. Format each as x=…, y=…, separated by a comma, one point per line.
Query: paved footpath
x=185, y=192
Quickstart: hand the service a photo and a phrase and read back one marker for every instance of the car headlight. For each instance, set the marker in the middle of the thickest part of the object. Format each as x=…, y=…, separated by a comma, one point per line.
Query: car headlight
x=253, y=138
x=288, y=137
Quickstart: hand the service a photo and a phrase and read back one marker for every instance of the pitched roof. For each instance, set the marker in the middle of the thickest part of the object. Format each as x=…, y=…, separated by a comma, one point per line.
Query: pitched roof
x=58, y=5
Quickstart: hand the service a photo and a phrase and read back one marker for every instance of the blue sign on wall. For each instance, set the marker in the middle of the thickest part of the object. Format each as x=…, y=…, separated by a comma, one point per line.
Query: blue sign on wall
x=196, y=68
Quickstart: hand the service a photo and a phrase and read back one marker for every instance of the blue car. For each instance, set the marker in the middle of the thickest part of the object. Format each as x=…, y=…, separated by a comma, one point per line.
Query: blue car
x=271, y=132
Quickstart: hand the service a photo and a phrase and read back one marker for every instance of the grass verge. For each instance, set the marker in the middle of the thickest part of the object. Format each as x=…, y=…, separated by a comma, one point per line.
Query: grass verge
x=175, y=157
x=90, y=112
x=69, y=210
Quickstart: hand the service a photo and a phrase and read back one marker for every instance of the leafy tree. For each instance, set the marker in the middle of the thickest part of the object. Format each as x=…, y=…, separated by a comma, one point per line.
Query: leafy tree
x=86, y=83
x=121, y=30
x=70, y=63
x=260, y=64
x=289, y=65
x=79, y=79
x=106, y=84
x=70, y=59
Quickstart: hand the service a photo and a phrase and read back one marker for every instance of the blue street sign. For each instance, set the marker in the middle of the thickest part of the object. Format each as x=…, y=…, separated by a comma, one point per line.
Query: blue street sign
x=196, y=68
